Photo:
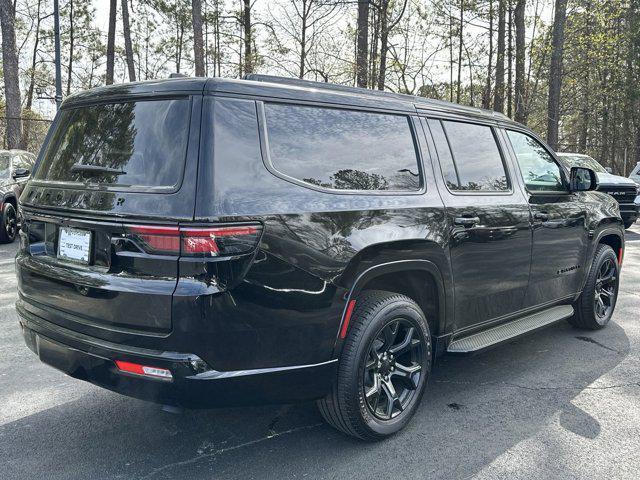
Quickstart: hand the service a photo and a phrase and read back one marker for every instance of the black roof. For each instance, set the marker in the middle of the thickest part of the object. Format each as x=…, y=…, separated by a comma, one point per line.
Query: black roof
x=286, y=89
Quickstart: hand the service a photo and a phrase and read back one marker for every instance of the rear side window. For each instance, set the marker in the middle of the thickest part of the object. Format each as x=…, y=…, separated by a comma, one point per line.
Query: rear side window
x=470, y=157
x=342, y=149
x=125, y=144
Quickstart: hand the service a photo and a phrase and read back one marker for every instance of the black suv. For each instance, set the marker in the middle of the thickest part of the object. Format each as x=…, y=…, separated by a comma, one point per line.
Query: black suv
x=203, y=242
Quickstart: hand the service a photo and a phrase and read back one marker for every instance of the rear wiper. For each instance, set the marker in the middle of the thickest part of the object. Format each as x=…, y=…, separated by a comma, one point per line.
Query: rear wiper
x=78, y=167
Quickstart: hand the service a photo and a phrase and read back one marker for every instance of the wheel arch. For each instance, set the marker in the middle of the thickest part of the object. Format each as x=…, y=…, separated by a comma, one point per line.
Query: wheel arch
x=614, y=239
x=420, y=280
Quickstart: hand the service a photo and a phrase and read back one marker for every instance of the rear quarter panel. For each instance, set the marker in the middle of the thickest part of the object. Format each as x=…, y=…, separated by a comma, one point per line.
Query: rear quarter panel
x=315, y=244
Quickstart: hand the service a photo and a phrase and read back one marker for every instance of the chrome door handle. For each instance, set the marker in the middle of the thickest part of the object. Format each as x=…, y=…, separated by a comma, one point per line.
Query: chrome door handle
x=543, y=217
x=466, y=221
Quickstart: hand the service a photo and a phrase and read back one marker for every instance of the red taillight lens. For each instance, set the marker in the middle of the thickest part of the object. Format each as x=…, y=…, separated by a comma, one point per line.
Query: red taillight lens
x=157, y=239
x=197, y=241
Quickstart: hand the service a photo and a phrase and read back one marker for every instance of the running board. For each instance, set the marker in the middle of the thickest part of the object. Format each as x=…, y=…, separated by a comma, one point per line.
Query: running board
x=508, y=331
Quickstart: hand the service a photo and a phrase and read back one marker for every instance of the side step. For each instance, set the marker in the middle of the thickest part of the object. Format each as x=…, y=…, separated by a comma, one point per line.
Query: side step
x=508, y=331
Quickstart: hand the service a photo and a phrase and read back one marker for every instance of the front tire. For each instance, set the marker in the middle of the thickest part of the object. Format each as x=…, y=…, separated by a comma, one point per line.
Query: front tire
x=597, y=301
x=8, y=223
x=383, y=368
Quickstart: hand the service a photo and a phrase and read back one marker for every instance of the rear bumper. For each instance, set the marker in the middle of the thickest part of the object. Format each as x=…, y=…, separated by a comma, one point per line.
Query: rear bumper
x=193, y=385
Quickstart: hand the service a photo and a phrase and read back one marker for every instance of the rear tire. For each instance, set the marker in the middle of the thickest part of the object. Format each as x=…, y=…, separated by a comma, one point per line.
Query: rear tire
x=8, y=223
x=597, y=301
x=628, y=223
x=383, y=368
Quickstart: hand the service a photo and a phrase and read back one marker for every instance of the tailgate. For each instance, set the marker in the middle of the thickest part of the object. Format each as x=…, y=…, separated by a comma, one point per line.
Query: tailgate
x=118, y=286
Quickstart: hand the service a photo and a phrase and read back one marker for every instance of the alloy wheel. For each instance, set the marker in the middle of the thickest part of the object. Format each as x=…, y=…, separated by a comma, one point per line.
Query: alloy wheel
x=10, y=223
x=393, y=369
x=605, y=289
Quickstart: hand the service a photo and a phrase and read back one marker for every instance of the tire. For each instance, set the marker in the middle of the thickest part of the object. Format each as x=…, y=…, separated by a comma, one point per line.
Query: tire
x=8, y=223
x=347, y=407
x=628, y=223
x=589, y=313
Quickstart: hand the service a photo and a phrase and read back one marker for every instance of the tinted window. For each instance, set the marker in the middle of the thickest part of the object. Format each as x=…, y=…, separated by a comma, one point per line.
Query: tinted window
x=5, y=163
x=539, y=171
x=444, y=155
x=340, y=149
x=478, y=162
x=23, y=161
x=128, y=144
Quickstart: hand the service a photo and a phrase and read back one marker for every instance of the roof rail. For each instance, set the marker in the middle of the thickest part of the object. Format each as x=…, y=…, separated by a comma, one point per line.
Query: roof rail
x=178, y=75
x=257, y=77
x=419, y=102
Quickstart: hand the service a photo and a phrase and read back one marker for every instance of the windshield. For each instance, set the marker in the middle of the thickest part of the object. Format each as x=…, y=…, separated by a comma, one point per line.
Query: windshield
x=5, y=163
x=583, y=161
x=126, y=144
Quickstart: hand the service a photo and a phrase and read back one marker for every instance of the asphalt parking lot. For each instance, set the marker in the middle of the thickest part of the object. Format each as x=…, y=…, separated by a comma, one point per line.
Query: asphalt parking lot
x=561, y=403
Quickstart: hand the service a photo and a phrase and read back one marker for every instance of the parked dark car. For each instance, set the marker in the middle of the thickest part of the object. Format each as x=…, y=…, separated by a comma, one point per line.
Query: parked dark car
x=206, y=242
x=15, y=168
x=623, y=189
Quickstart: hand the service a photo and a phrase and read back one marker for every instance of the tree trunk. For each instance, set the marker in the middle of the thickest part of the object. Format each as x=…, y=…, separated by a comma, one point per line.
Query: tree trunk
x=510, y=61
x=486, y=98
x=460, y=38
x=555, y=73
x=128, y=49
x=248, y=38
x=384, y=42
x=198, y=43
x=303, y=37
x=362, y=48
x=519, y=90
x=111, y=41
x=71, y=47
x=10, y=73
x=498, y=98
x=32, y=75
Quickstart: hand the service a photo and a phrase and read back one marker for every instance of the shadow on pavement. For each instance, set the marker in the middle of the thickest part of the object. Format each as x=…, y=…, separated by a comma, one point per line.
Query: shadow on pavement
x=475, y=409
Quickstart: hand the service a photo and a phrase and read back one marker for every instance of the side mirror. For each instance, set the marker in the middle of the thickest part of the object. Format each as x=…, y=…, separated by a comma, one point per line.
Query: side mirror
x=21, y=172
x=582, y=179
x=609, y=169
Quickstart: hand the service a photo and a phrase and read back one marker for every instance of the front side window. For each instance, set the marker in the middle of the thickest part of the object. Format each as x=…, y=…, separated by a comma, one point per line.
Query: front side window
x=539, y=170
x=23, y=160
x=342, y=149
x=476, y=157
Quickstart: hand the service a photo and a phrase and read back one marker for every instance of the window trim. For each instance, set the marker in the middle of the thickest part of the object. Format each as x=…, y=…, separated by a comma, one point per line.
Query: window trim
x=492, y=127
x=562, y=169
x=268, y=163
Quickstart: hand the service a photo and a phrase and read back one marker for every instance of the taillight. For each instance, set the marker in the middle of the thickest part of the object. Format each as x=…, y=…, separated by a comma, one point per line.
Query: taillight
x=196, y=241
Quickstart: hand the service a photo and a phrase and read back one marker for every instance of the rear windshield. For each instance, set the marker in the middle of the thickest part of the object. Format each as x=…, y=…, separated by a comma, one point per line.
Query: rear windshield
x=128, y=144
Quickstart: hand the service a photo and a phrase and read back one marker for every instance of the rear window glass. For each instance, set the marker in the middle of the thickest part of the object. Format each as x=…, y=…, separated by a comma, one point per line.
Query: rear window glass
x=342, y=149
x=476, y=156
x=133, y=144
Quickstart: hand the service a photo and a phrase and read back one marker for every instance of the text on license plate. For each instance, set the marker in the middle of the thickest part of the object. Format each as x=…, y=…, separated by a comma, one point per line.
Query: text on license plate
x=74, y=244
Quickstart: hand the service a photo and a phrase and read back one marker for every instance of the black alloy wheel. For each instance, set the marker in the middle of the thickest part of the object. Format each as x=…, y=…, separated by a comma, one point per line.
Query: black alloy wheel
x=383, y=367
x=594, y=308
x=393, y=369
x=606, y=287
x=8, y=224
